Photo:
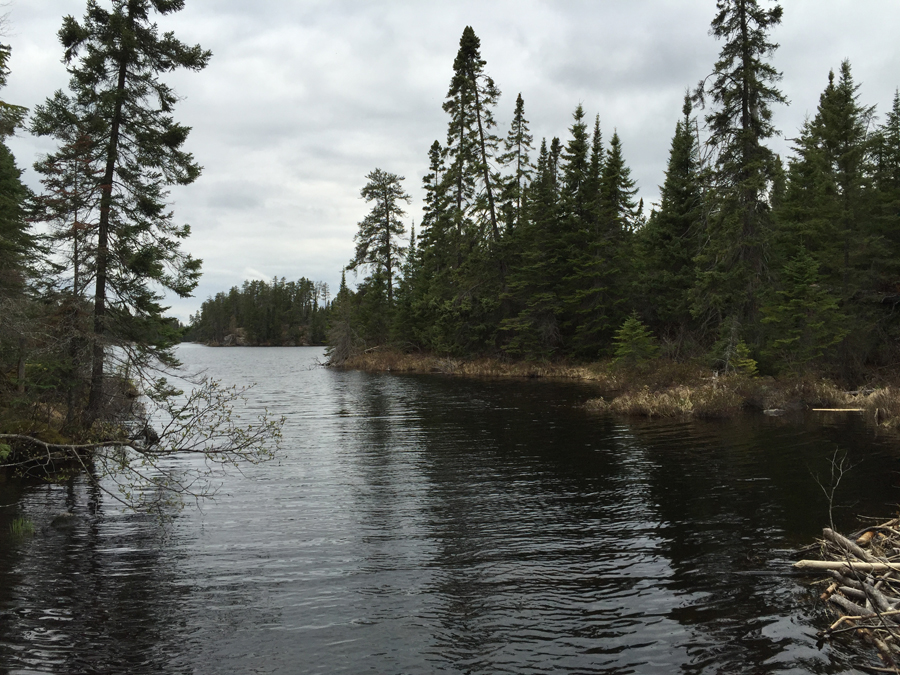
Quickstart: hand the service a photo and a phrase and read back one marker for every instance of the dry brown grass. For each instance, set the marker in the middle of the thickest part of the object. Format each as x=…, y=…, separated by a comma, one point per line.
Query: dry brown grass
x=883, y=404
x=718, y=398
x=389, y=360
x=726, y=396
x=662, y=389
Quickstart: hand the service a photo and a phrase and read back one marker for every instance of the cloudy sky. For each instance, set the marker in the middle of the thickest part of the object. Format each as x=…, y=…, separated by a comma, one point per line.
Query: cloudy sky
x=303, y=98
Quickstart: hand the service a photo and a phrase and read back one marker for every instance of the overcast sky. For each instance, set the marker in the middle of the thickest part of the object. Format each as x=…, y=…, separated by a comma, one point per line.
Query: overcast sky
x=303, y=98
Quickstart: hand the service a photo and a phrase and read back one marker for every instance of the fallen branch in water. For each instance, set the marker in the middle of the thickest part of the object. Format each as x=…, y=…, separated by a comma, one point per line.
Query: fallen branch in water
x=865, y=592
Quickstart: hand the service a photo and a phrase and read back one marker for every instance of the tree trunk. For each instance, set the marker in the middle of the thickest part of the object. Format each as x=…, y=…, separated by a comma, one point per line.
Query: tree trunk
x=95, y=397
x=20, y=370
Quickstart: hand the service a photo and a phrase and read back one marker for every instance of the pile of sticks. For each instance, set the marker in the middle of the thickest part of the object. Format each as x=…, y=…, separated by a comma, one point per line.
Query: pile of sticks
x=864, y=590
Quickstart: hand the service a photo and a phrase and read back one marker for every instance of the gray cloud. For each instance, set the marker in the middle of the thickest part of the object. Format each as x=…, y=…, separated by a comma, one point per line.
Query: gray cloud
x=302, y=99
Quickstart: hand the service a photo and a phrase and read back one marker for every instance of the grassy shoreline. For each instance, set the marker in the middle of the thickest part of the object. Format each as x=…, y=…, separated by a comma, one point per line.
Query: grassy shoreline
x=661, y=388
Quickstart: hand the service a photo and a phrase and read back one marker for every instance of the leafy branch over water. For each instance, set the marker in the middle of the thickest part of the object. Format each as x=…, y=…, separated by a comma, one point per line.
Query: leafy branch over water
x=200, y=433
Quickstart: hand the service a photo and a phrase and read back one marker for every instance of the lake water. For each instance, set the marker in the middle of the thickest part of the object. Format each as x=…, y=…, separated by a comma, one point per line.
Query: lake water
x=429, y=524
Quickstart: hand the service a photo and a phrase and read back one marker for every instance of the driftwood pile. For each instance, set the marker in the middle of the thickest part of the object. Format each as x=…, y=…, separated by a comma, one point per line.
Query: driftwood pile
x=864, y=590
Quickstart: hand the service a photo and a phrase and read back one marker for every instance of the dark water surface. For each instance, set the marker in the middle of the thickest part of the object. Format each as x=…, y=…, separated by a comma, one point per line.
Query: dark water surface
x=424, y=524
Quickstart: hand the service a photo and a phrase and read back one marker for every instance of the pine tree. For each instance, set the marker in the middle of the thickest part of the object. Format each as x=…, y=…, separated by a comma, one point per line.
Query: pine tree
x=517, y=146
x=376, y=241
x=471, y=143
x=634, y=343
x=732, y=264
x=71, y=176
x=11, y=116
x=617, y=191
x=803, y=317
x=428, y=278
x=115, y=59
x=886, y=184
x=669, y=242
x=465, y=302
x=600, y=282
x=16, y=242
x=826, y=205
x=540, y=258
x=575, y=198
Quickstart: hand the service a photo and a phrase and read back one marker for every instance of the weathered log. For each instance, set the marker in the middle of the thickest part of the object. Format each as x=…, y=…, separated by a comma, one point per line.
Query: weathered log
x=843, y=579
x=879, y=599
x=850, y=606
x=854, y=594
x=846, y=544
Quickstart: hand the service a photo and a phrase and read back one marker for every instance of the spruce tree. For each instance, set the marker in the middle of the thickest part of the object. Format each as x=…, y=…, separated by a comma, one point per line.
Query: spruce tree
x=669, y=242
x=599, y=285
x=517, y=147
x=634, y=343
x=803, y=318
x=471, y=142
x=16, y=242
x=617, y=191
x=886, y=186
x=466, y=315
x=115, y=58
x=537, y=277
x=428, y=279
x=11, y=116
x=70, y=200
x=742, y=89
x=826, y=208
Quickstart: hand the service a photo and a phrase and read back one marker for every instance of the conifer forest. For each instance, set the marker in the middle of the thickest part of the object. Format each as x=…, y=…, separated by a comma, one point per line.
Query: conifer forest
x=536, y=250
x=551, y=418
x=543, y=250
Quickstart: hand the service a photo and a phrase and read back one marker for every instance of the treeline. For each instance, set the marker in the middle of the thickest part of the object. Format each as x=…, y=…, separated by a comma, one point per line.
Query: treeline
x=259, y=313
x=548, y=253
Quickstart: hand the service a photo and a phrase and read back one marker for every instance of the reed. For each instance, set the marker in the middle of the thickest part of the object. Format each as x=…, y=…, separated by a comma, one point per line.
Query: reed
x=661, y=388
x=387, y=360
x=882, y=404
x=21, y=527
x=710, y=399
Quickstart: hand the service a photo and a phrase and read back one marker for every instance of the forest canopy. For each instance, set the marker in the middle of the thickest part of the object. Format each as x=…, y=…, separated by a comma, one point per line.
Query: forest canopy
x=544, y=250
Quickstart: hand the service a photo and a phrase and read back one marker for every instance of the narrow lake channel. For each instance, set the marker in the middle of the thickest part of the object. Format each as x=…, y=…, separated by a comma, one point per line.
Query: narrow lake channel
x=430, y=524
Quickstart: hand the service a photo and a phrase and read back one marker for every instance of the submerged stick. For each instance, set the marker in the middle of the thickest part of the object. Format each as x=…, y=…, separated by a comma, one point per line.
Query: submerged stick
x=825, y=565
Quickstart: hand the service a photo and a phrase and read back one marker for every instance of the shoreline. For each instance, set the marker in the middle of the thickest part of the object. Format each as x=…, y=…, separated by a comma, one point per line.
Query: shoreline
x=661, y=388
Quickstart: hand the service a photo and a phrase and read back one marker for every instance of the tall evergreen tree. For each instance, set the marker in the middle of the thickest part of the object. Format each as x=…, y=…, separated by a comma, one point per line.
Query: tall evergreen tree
x=376, y=241
x=803, y=317
x=576, y=198
x=535, y=279
x=599, y=284
x=517, y=147
x=669, y=242
x=16, y=242
x=742, y=89
x=887, y=168
x=886, y=207
x=471, y=142
x=71, y=178
x=115, y=58
x=617, y=190
x=11, y=115
x=827, y=206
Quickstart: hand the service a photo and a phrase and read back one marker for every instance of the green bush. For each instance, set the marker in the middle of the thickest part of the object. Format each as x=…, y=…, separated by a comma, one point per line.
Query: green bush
x=635, y=344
